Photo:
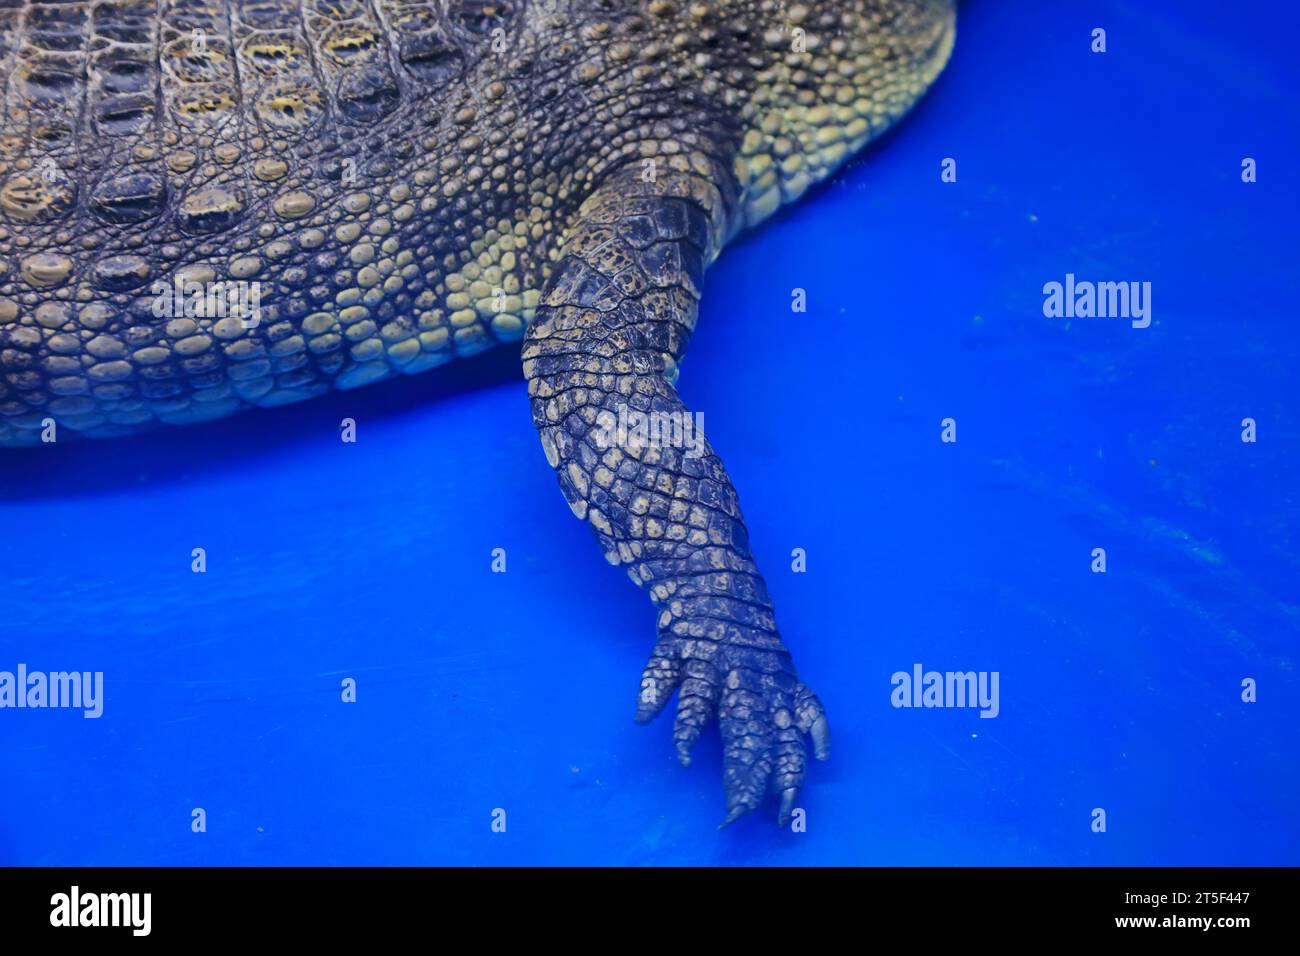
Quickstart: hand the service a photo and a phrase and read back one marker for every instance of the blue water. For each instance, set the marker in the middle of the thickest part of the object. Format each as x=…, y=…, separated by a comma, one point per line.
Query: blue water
x=478, y=691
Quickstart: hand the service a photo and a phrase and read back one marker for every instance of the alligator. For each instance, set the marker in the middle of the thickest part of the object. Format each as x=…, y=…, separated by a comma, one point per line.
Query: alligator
x=405, y=183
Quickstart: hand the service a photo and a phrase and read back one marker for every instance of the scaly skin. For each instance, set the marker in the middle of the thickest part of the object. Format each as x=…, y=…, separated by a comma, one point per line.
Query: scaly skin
x=412, y=182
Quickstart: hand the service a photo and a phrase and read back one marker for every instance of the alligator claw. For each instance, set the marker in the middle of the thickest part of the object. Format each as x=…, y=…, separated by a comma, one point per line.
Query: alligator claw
x=764, y=713
x=821, y=736
x=787, y=806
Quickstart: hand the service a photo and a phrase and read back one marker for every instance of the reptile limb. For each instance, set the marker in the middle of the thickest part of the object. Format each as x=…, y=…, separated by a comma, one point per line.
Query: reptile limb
x=613, y=323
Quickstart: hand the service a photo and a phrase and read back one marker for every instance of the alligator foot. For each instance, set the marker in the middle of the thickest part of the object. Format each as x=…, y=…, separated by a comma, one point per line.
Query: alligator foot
x=763, y=712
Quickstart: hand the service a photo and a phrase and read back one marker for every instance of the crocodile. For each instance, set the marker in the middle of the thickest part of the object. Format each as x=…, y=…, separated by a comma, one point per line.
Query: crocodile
x=391, y=185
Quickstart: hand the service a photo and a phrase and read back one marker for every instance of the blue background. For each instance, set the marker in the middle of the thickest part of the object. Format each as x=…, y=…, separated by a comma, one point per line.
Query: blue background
x=516, y=690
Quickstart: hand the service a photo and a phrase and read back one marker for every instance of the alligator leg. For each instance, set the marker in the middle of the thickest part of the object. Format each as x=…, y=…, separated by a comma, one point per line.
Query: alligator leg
x=613, y=322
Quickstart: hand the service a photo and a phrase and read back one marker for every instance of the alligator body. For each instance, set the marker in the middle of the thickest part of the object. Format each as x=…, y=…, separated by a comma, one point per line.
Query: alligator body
x=209, y=205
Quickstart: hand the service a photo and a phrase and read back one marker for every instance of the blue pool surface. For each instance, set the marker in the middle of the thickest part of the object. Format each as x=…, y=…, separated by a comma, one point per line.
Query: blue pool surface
x=479, y=691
